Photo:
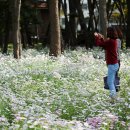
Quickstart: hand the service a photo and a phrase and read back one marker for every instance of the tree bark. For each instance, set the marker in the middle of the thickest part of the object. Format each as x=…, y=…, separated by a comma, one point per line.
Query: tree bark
x=80, y=15
x=103, y=17
x=91, y=5
x=72, y=23
x=55, y=43
x=7, y=31
x=16, y=29
x=128, y=25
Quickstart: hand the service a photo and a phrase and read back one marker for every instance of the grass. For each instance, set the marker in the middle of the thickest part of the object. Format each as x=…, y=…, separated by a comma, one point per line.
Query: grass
x=65, y=93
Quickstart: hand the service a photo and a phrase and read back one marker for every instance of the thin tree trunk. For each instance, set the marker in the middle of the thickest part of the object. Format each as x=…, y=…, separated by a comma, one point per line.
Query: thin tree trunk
x=72, y=22
x=16, y=29
x=7, y=31
x=68, y=33
x=120, y=8
x=91, y=5
x=128, y=25
x=103, y=17
x=7, y=28
x=55, y=44
x=110, y=8
x=82, y=23
x=80, y=15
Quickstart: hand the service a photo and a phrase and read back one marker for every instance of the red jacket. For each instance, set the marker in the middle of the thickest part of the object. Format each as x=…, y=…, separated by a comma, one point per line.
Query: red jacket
x=110, y=46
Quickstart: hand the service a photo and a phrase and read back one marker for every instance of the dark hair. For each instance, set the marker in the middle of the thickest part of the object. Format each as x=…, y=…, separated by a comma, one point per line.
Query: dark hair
x=112, y=33
x=119, y=32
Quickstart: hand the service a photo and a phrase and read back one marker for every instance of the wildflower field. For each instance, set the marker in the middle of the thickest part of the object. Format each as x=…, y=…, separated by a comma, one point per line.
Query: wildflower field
x=39, y=92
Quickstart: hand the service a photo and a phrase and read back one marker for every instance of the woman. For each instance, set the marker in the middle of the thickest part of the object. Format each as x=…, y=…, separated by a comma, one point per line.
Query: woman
x=110, y=46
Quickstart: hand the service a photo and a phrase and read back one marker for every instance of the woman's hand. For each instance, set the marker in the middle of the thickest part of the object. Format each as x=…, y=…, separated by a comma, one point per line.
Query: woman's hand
x=98, y=35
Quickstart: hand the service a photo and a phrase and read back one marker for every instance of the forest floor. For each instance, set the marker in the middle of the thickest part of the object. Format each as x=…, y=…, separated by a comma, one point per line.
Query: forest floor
x=39, y=92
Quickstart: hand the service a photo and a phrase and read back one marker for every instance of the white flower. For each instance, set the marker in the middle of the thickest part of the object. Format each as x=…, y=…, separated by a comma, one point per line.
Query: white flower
x=56, y=75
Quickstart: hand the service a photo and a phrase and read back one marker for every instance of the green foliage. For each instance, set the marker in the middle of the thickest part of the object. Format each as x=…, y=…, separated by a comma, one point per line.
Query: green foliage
x=123, y=45
x=5, y=110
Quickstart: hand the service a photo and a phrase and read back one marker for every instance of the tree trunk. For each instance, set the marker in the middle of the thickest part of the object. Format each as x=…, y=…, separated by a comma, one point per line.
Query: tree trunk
x=82, y=23
x=80, y=15
x=103, y=17
x=55, y=43
x=109, y=8
x=7, y=31
x=67, y=35
x=72, y=23
x=91, y=5
x=120, y=8
x=16, y=29
x=128, y=25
